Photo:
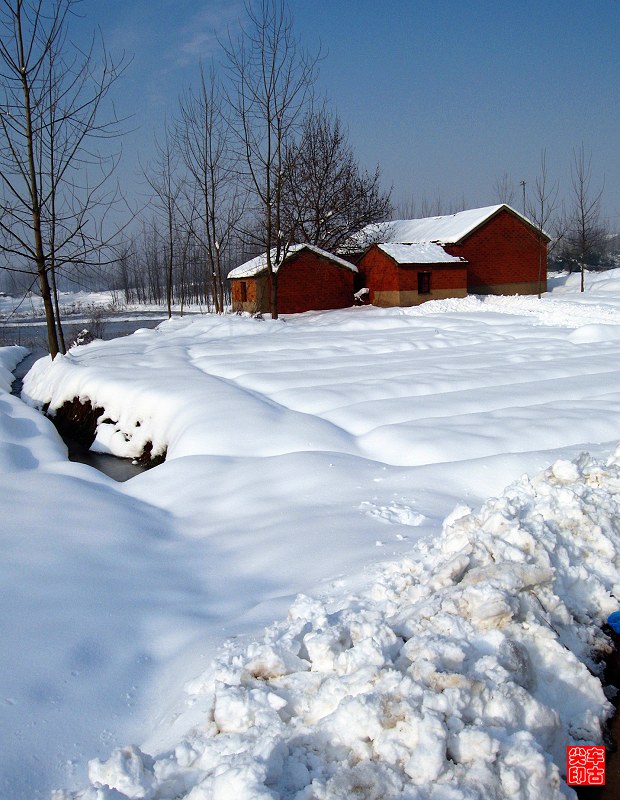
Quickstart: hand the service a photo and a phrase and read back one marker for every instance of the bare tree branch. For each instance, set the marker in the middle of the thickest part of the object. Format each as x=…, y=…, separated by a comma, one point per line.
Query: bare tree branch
x=327, y=197
x=272, y=76
x=53, y=172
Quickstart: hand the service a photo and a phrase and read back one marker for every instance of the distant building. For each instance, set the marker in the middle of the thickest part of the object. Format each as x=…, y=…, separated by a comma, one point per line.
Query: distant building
x=309, y=279
x=491, y=250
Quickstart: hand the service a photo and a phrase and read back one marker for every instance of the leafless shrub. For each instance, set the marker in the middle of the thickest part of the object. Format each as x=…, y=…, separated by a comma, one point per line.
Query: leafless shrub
x=95, y=328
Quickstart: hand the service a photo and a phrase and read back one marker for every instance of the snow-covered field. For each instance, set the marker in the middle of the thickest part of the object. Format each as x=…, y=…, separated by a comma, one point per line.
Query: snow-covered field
x=432, y=651
x=20, y=307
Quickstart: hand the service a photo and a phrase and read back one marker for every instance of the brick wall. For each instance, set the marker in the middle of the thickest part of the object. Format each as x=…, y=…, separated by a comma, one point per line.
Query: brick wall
x=380, y=273
x=256, y=295
x=393, y=284
x=503, y=254
x=443, y=276
x=308, y=282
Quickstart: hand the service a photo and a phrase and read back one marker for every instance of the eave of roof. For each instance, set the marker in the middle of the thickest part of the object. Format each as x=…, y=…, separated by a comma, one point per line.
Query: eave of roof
x=418, y=253
x=258, y=264
x=447, y=229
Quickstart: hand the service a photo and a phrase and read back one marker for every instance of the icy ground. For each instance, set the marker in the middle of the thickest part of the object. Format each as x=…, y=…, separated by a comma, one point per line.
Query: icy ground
x=318, y=456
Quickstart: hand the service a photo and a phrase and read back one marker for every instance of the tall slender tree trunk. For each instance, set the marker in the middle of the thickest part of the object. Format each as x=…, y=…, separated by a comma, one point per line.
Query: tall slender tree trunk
x=170, y=263
x=273, y=295
x=33, y=187
x=60, y=332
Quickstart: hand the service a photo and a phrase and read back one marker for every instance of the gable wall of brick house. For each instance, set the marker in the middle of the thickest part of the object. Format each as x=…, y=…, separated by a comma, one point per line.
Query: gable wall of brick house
x=250, y=294
x=306, y=282
x=503, y=257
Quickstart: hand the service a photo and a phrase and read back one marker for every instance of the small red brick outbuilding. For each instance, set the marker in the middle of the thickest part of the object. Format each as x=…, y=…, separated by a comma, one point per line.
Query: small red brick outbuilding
x=309, y=279
x=398, y=274
x=491, y=250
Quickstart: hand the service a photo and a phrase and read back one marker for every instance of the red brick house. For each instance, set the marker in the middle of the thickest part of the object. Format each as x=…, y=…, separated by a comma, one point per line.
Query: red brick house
x=309, y=279
x=492, y=250
x=398, y=274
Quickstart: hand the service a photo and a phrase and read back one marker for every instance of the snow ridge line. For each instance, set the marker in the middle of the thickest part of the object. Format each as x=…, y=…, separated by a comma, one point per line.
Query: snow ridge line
x=462, y=672
x=551, y=312
x=10, y=357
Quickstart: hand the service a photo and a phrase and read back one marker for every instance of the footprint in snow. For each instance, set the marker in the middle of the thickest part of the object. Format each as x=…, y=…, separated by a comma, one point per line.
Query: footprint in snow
x=394, y=514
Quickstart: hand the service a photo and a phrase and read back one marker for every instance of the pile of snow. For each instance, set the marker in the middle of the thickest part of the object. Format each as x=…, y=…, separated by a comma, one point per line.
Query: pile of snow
x=462, y=671
x=9, y=359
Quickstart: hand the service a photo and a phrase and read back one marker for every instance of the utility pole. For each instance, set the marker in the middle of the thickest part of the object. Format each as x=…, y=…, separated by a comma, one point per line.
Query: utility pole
x=522, y=185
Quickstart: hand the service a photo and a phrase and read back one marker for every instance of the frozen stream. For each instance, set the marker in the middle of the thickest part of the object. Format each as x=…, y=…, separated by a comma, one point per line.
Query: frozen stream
x=32, y=333
x=119, y=469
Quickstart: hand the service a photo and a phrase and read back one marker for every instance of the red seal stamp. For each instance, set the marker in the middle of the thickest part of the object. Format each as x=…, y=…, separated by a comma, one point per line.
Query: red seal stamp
x=585, y=765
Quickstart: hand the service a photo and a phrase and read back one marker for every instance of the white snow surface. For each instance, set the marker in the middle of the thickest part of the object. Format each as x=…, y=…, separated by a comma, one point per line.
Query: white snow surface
x=459, y=672
x=9, y=359
x=321, y=470
x=423, y=253
x=18, y=307
x=259, y=264
x=445, y=229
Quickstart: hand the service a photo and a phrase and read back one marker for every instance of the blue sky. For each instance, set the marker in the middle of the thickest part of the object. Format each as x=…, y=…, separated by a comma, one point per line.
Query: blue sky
x=446, y=96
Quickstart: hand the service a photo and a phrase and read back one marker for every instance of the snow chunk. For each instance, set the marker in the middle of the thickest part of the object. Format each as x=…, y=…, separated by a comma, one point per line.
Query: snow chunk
x=129, y=771
x=565, y=472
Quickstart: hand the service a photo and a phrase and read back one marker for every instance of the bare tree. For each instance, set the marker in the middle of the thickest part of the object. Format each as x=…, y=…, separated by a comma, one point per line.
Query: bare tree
x=505, y=189
x=204, y=138
x=52, y=172
x=327, y=196
x=164, y=179
x=586, y=232
x=541, y=209
x=406, y=208
x=414, y=208
x=272, y=76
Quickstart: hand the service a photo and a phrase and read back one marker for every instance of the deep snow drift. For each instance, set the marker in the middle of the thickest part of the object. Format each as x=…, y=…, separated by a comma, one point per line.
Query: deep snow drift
x=458, y=672
x=299, y=453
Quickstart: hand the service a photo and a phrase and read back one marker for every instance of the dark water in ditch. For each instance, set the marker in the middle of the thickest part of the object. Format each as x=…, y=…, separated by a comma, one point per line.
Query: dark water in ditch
x=32, y=334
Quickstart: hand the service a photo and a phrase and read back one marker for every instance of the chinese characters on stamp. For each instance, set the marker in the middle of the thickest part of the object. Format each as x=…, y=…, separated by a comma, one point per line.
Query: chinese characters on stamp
x=585, y=766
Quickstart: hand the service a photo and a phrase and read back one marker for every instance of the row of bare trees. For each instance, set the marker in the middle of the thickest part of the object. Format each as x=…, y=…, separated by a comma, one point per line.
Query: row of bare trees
x=166, y=266
x=246, y=165
x=55, y=158
x=250, y=164
x=579, y=235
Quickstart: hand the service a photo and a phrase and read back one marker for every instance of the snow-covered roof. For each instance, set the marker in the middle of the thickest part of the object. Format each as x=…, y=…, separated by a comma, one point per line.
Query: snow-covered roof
x=419, y=253
x=448, y=229
x=259, y=264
